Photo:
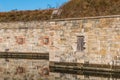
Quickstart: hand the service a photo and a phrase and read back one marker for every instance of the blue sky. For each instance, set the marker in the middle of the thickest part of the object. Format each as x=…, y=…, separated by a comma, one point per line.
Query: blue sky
x=8, y=5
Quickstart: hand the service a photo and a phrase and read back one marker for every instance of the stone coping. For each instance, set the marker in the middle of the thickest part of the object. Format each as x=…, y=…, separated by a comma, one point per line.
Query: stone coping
x=82, y=18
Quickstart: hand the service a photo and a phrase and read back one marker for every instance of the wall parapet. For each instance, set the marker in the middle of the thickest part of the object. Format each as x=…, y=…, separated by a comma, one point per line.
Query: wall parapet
x=67, y=19
x=27, y=25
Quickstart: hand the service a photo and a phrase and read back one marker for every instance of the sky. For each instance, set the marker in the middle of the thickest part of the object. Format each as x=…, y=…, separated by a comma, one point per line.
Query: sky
x=8, y=5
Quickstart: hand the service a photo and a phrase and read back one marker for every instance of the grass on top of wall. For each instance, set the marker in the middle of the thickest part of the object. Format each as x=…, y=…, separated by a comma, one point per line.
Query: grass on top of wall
x=71, y=9
x=88, y=8
x=25, y=15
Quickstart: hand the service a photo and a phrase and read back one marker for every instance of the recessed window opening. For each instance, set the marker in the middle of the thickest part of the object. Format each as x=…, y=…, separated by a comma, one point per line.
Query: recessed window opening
x=80, y=43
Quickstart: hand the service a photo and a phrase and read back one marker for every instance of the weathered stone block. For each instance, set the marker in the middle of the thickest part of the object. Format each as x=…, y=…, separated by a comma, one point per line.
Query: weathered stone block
x=103, y=51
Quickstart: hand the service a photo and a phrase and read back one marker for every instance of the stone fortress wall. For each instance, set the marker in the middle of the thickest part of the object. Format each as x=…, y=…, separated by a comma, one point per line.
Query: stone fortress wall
x=94, y=40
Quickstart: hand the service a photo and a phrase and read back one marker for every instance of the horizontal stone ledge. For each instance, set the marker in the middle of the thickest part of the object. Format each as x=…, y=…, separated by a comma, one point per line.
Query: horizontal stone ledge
x=85, y=72
x=24, y=55
x=84, y=67
x=86, y=18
